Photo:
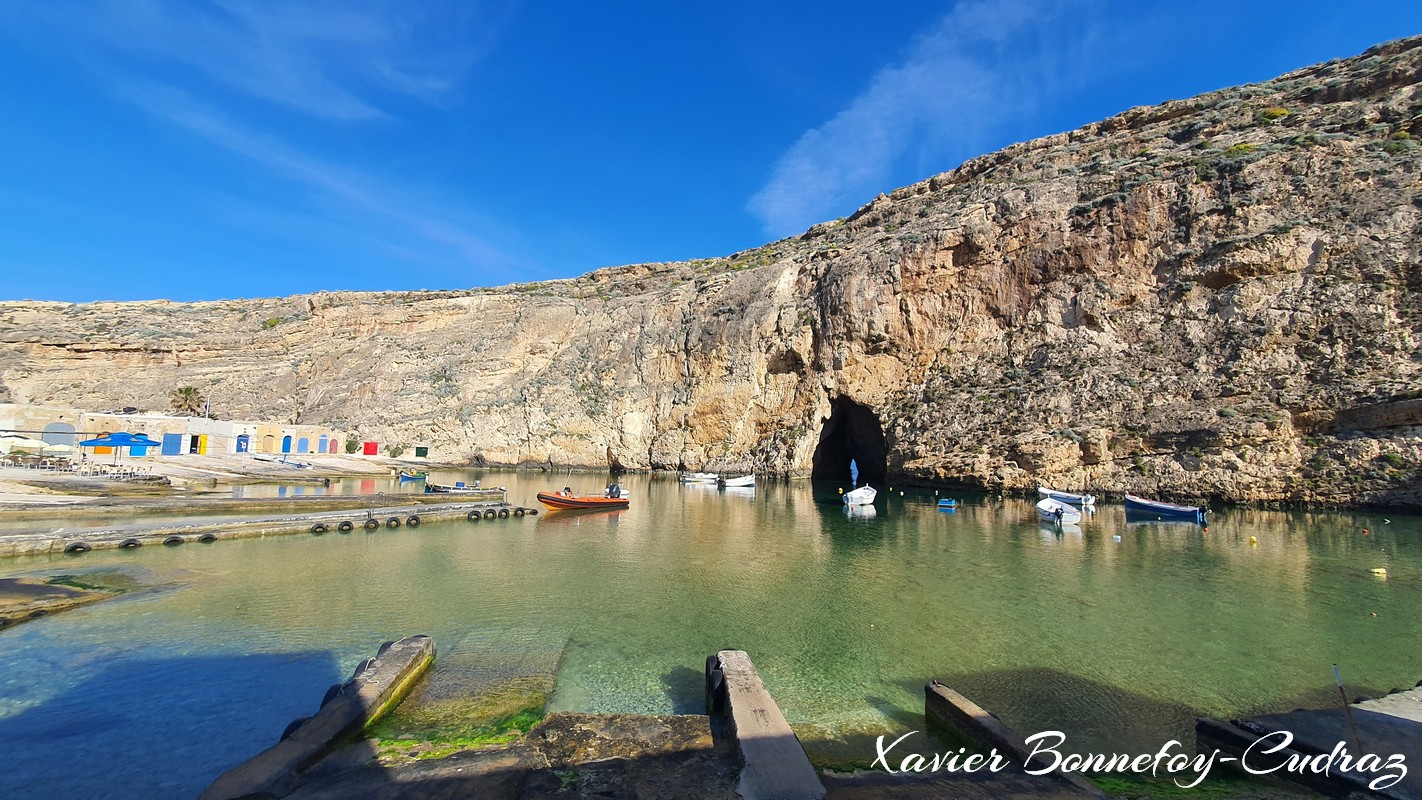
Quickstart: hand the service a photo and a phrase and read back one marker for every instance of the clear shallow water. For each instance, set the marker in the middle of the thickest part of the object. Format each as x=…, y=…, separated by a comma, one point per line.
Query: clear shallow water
x=1119, y=644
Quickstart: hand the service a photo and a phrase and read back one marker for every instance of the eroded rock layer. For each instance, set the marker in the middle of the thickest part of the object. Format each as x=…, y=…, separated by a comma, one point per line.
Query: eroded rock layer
x=1215, y=297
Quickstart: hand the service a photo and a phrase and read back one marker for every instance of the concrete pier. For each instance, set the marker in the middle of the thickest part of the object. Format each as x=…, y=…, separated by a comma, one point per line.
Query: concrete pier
x=1388, y=728
x=205, y=531
x=377, y=685
x=773, y=764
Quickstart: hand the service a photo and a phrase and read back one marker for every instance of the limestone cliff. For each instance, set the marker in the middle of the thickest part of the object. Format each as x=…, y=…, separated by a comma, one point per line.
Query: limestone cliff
x=1214, y=297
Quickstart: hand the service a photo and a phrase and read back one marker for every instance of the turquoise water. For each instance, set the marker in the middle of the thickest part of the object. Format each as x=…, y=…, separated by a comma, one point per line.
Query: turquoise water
x=1117, y=643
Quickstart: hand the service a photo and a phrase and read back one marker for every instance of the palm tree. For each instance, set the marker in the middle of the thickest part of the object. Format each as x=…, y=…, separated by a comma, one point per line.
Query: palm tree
x=186, y=400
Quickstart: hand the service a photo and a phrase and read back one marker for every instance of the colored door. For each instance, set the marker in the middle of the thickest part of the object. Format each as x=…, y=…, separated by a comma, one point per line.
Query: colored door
x=244, y=442
x=321, y=444
x=172, y=444
x=303, y=445
x=370, y=449
x=268, y=444
x=286, y=444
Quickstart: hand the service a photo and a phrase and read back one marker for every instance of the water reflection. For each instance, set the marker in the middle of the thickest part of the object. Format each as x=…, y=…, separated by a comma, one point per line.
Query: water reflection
x=1115, y=633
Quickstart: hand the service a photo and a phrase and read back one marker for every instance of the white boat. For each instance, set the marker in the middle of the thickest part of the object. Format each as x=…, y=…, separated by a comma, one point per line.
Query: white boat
x=744, y=480
x=863, y=496
x=699, y=477
x=1067, y=497
x=1057, y=511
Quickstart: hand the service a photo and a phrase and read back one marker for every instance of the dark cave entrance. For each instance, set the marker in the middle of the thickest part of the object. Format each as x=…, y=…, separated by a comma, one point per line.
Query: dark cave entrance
x=852, y=433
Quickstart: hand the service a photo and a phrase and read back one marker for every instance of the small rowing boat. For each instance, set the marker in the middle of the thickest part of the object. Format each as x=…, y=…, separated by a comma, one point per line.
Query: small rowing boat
x=699, y=477
x=863, y=496
x=1141, y=508
x=1056, y=511
x=458, y=488
x=406, y=475
x=1067, y=497
x=742, y=481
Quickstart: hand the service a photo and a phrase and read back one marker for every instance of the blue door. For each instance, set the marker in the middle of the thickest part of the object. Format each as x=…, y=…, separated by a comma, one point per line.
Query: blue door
x=303, y=444
x=286, y=444
x=172, y=444
x=243, y=443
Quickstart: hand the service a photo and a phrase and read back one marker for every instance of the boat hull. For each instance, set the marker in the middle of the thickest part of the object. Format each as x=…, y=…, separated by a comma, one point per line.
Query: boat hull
x=562, y=502
x=699, y=477
x=1154, y=509
x=742, y=482
x=862, y=496
x=1057, y=512
x=1066, y=497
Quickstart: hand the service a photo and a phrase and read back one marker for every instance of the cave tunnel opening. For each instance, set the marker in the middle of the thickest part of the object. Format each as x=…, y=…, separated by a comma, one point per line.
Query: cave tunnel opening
x=851, y=434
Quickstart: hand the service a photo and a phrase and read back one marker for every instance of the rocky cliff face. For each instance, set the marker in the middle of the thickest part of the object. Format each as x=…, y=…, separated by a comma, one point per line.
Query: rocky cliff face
x=1214, y=297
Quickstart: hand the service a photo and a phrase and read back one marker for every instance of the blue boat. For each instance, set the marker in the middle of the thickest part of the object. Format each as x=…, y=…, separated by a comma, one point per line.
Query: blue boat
x=406, y=475
x=947, y=502
x=1141, y=508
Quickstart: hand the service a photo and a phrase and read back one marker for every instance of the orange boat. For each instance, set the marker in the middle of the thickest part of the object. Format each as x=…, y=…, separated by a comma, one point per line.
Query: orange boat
x=566, y=499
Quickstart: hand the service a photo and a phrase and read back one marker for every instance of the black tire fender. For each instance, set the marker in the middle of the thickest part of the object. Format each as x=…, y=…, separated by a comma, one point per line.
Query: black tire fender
x=172, y=540
x=393, y=522
x=129, y=544
x=293, y=726
x=474, y=516
x=371, y=524
x=413, y=521
x=503, y=513
x=518, y=512
x=346, y=526
x=319, y=527
x=77, y=547
x=490, y=514
x=207, y=538
x=332, y=693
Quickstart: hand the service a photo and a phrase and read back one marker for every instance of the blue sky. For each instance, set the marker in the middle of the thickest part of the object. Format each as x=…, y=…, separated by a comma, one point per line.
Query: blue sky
x=207, y=149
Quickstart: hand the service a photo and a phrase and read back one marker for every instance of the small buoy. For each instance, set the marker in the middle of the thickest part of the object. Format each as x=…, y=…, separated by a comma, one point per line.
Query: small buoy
x=1365, y=531
x=1116, y=538
x=1253, y=541
x=901, y=494
x=1387, y=522
x=1374, y=613
x=1380, y=572
x=841, y=490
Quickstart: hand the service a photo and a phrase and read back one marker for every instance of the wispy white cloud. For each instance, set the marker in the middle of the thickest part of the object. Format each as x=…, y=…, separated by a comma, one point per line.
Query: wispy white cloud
x=324, y=58
x=217, y=69
x=984, y=63
x=332, y=184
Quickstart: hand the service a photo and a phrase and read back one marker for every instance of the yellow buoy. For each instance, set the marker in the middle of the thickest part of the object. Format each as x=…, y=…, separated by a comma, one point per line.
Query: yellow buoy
x=1253, y=541
x=841, y=490
x=1380, y=572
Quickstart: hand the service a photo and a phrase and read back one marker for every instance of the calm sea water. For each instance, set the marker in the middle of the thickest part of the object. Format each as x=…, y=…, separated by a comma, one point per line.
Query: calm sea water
x=1120, y=643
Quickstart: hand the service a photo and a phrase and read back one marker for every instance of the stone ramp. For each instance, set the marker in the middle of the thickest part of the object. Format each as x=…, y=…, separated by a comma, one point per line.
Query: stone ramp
x=566, y=755
x=1384, y=727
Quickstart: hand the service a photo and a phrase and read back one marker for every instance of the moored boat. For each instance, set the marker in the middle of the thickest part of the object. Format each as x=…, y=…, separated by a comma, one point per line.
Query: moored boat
x=1067, y=497
x=742, y=481
x=699, y=477
x=947, y=502
x=1140, y=507
x=408, y=475
x=458, y=487
x=862, y=496
x=567, y=500
x=1056, y=511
